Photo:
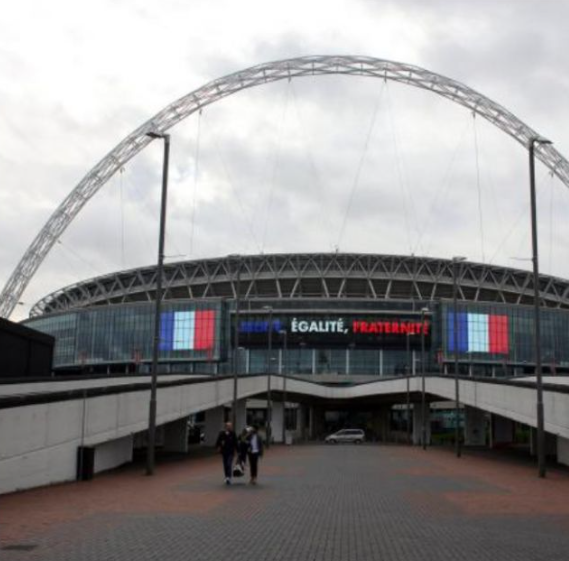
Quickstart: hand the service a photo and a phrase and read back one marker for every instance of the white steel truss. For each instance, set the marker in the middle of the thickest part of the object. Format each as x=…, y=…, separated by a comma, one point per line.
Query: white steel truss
x=337, y=276
x=251, y=77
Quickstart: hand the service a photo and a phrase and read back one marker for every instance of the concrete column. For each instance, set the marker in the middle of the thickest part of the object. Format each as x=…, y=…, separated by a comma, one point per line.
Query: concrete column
x=380, y=423
x=316, y=422
x=501, y=431
x=176, y=436
x=303, y=421
x=563, y=450
x=241, y=416
x=277, y=421
x=475, y=427
x=214, y=419
x=418, y=423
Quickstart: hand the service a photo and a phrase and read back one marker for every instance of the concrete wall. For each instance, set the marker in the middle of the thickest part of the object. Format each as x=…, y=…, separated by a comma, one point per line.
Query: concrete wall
x=113, y=454
x=176, y=435
x=501, y=431
x=38, y=443
x=214, y=419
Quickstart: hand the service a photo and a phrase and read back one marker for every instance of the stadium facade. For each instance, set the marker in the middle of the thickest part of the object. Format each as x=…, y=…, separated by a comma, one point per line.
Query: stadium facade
x=319, y=314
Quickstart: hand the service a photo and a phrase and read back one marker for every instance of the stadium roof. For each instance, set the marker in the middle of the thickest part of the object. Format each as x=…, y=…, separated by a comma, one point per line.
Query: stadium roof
x=314, y=276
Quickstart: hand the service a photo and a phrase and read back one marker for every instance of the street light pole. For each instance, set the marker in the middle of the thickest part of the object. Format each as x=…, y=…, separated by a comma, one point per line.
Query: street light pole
x=457, y=446
x=409, y=367
x=269, y=370
x=423, y=397
x=284, y=373
x=237, y=259
x=151, y=449
x=536, y=317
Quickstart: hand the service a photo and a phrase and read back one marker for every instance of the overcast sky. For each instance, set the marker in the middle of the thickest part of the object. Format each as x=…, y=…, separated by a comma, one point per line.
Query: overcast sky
x=315, y=164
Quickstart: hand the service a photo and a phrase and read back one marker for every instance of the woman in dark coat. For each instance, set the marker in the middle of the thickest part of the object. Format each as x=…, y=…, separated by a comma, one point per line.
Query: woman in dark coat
x=254, y=451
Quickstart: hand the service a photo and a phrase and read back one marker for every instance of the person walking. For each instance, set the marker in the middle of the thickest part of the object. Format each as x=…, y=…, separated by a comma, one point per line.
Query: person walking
x=242, y=448
x=226, y=444
x=255, y=451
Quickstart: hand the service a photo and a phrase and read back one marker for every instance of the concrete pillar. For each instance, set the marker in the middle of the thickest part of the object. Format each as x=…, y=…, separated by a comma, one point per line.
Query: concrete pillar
x=418, y=423
x=176, y=436
x=277, y=421
x=304, y=420
x=474, y=427
x=501, y=431
x=563, y=450
x=301, y=422
x=214, y=419
x=317, y=424
x=241, y=416
x=533, y=441
x=380, y=423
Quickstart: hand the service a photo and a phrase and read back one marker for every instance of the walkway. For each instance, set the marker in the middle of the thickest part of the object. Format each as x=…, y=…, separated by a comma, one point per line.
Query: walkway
x=316, y=502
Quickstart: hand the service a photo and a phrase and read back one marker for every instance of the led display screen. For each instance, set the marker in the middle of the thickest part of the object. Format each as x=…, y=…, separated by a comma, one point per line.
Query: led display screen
x=478, y=333
x=364, y=331
x=187, y=330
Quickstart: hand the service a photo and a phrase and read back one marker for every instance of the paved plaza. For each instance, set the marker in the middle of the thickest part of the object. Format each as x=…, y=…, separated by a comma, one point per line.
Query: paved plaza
x=313, y=502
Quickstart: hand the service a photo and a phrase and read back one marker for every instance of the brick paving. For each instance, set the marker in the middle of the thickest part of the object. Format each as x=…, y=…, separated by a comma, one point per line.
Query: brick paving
x=312, y=503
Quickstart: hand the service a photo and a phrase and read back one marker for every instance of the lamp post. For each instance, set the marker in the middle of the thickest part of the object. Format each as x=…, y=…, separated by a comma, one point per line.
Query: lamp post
x=408, y=407
x=235, y=259
x=150, y=452
x=284, y=334
x=423, y=397
x=536, y=318
x=455, y=262
x=269, y=309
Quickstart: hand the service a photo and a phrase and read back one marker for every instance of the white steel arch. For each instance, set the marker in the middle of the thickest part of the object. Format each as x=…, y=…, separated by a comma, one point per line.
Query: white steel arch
x=251, y=77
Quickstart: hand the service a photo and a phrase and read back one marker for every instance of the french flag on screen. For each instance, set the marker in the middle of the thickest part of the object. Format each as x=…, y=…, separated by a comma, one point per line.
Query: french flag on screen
x=187, y=331
x=478, y=333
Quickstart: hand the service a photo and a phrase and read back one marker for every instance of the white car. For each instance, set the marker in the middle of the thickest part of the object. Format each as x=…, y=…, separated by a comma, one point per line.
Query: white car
x=357, y=436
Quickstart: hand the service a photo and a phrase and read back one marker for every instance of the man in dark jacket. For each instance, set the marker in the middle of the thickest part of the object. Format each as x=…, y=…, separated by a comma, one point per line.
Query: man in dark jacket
x=227, y=446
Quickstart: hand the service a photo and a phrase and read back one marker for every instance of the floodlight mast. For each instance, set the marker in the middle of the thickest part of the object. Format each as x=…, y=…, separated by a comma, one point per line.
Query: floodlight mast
x=533, y=143
x=257, y=75
x=151, y=448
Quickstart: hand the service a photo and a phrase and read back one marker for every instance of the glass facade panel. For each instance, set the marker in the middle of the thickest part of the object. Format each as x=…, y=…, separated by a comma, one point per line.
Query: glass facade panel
x=505, y=335
x=359, y=338
x=364, y=361
x=395, y=362
x=124, y=334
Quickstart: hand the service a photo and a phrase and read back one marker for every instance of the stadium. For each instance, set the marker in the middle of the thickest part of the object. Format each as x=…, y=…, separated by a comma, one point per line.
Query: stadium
x=332, y=315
